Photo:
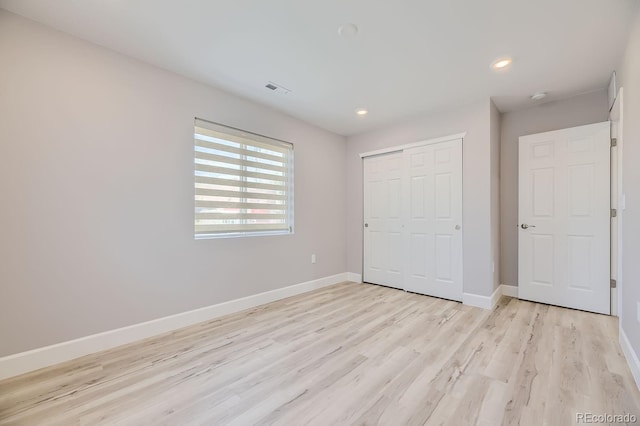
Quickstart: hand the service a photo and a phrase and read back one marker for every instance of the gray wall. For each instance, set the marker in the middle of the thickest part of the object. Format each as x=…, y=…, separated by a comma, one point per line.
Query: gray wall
x=584, y=109
x=629, y=77
x=476, y=224
x=96, y=179
x=495, y=130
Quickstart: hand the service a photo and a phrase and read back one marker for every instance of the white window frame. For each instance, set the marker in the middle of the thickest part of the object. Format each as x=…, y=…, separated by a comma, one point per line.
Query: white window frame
x=246, y=139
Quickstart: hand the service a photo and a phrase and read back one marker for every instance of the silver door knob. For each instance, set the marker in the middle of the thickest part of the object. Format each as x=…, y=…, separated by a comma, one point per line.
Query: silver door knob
x=525, y=226
x=457, y=227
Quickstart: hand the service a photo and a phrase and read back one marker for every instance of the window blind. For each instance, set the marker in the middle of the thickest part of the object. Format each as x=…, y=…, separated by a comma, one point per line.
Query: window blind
x=243, y=182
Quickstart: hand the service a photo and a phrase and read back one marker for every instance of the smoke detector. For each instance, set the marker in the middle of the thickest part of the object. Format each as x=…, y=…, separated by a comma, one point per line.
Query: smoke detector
x=277, y=88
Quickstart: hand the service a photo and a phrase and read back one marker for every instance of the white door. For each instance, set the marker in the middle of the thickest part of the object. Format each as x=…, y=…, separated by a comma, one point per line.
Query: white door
x=432, y=201
x=383, y=250
x=563, y=245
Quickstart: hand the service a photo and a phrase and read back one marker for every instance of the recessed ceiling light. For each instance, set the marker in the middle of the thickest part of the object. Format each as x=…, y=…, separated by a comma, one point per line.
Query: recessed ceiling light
x=348, y=30
x=538, y=95
x=501, y=63
x=361, y=111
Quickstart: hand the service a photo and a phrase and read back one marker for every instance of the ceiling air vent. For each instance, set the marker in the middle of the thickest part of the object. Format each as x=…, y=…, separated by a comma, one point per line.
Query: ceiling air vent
x=277, y=88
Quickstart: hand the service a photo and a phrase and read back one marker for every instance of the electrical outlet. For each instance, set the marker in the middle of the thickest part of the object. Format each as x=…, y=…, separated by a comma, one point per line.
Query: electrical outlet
x=313, y=258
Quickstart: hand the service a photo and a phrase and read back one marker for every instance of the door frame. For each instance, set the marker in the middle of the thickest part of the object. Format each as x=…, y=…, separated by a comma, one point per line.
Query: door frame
x=401, y=148
x=617, y=202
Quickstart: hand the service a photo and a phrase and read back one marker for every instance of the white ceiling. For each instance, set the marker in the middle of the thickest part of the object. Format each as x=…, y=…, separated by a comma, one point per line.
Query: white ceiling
x=410, y=57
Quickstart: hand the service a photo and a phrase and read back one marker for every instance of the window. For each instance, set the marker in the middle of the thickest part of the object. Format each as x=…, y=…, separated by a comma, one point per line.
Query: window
x=243, y=183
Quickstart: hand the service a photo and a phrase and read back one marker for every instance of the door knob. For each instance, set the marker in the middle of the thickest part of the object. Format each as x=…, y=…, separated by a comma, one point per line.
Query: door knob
x=457, y=227
x=525, y=226
x=366, y=225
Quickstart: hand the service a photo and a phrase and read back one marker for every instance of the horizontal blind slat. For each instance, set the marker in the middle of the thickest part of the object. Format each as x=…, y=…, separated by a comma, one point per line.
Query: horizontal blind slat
x=239, y=194
x=239, y=162
x=269, y=216
x=203, y=204
x=218, y=146
x=233, y=172
x=216, y=229
x=245, y=184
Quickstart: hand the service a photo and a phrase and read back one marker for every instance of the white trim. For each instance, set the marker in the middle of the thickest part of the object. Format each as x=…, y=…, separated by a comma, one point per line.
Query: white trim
x=35, y=359
x=612, y=90
x=616, y=115
x=413, y=145
x=509, y=290
x=631, y=355
x=484, y=302
x=353, y=277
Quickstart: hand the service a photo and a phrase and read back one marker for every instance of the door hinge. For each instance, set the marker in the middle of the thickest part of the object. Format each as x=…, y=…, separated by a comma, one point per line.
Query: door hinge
x=614, y=283
x=614, y=213
x=614, y=142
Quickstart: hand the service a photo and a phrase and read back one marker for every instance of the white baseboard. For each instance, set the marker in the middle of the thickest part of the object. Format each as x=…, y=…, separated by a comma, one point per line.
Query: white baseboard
x=484, y=302
x=631, y=355
x=35, y=359
x=352, y=276
x=509, y=290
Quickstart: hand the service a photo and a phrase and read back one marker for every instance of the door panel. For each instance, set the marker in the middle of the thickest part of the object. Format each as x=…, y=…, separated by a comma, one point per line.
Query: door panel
x=433, y=211
x=444, y=254
x=383, y=245
x=418, y=246
x=542, y=181
x=443, y=196
x=564, y=203
x=542, y=260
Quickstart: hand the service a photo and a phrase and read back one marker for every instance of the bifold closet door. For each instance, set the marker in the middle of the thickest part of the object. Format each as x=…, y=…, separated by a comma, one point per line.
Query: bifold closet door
x=432, y=206
x=383, y=251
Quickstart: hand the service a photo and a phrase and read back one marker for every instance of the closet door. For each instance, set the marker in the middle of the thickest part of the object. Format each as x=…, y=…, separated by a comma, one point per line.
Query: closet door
x=383, y=251
x=432, y=208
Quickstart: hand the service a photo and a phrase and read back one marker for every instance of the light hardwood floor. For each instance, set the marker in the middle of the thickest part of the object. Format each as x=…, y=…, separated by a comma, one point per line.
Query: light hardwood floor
x=346, y=354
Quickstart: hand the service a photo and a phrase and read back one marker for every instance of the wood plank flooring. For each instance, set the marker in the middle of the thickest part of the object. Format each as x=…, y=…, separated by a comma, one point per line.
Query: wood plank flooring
x=346, y=354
